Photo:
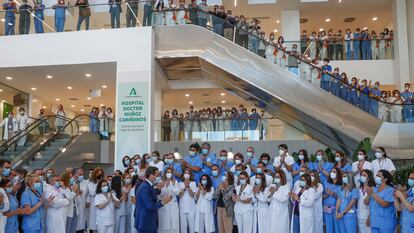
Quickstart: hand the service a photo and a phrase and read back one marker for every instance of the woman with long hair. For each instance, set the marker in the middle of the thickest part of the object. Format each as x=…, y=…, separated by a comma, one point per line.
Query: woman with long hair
x=168, y=215
x=96, y=176
x=345, y=204
x=317, y=207
x=105, y=202
x=366, y=180
x=204, y=219
x=260, y=204
x=278, y=215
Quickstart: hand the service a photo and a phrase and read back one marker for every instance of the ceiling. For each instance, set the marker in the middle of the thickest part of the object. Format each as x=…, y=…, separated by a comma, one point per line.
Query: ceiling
x=47, y=91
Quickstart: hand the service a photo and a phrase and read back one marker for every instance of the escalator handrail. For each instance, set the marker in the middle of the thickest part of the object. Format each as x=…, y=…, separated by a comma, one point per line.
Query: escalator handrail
x=300, y=58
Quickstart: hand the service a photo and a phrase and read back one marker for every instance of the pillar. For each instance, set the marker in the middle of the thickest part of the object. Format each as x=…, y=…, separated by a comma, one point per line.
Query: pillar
x=290, y=27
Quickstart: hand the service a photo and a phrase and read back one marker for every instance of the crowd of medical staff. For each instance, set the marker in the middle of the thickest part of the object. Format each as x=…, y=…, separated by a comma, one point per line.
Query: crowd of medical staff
x=179, y=126
x=243, y=193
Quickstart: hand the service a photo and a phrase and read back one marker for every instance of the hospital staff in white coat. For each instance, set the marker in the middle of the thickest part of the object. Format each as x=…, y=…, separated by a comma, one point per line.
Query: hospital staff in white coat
x=23, y=122
x=105, y=202
x=95, y=177
x=204, y=219
x=168, y=215
x=317, y=207
x=80, y=199
x=187, y=203
x=304, y=197
x=69, y=190
x=243, y=208
x=57, y=208
x=360, y=165
x=10, y=126
x=382, y=162
x=278, y=215
x=260, y=203
x=4, y=207
x=366, y=180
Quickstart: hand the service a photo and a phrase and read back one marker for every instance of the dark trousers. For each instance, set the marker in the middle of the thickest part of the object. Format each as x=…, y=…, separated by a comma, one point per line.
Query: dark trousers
x=147, y=15
x=243, y=40
x=131, y=21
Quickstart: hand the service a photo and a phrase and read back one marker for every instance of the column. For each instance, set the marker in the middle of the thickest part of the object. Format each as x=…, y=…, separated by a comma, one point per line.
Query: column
x=290, y=27
x=410, y=27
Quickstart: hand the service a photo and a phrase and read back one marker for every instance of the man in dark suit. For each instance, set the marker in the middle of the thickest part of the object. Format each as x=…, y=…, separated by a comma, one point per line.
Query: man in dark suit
x=147, y=204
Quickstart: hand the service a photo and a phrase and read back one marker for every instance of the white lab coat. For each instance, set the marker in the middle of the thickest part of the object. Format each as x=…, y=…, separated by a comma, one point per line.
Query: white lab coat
x=366, y=165
x=6, y=207
x=56, y=210
x=92, y=209
x=269, y=179
x=6, y=129
x=80, y=201
x=22, y=122
x=243, y=212
x=205, y=207
x=306, y=217
x=168, y=215
x=278, y=215
x=363, y=212
x=318, y=210
x=68, y=194
x=261, y=209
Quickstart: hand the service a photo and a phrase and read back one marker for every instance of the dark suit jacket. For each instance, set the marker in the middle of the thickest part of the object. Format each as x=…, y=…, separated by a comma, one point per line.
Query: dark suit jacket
x=146, y=208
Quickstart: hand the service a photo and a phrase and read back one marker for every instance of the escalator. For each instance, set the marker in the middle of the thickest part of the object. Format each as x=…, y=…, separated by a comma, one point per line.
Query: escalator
x=193, y=52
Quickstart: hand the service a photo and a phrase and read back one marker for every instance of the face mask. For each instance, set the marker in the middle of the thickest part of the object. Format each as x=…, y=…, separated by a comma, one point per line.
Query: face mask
x=192, y=153
x=363, y=179
x=37, y=186
x=249, y=154
x=301, y=157
x=258, y=181
x=223, y=178
x=9, y=189
x=205, y=151
x=16, y=179
x=337, y=159
x=265, y=161
x=57, y=185
x=168, y=175
x=127, y=162
x=361, y=157
x=277, y=180
x=237, y=161
x=312, y=178
x=378, y=155
x=186, y=176
x=105, y=189
x=80, y=178
x=396, y=95
x=41, y=178
x=378, y=180
x=109, y=182
x=169, y=161
x=242, y=182
x=214, y=173
x=301, y=173
x=345, y=180
x=258, y=170
x=223, y=158
x=333, y=175
x=128, y=181
x=281, y=152
x=410, y=182
x=72, y=181
x=157, y=180
x=407, y=88
x=6, y=172
x=204, y=182
x=302, y=183
x=319, y=157
x=238, y=173
x=138, y=161
x=153, y=158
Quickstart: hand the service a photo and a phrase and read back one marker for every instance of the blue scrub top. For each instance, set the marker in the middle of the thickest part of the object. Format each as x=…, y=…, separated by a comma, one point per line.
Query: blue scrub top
x=211, y=157
x=327, y=166
x=330, y=200
x=216, y=181
x=12, y=225
x=60, y=11
x=407, y=217
x=10, y=8
x=407, y=95
x=383, y=217
x=177, y=167
x=346, y=168
x=31, y=222
x=196, y=162
x=326, y=77
x=254, y=162
x=39, y=12
x=229, y=164
x=296, y=167
x=270, y=167
x=346, y=197
x=253, y=122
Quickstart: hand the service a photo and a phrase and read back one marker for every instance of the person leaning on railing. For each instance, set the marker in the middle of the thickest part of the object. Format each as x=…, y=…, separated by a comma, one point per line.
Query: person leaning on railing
x=132, y=13
x=202, y=14
x=84, y=14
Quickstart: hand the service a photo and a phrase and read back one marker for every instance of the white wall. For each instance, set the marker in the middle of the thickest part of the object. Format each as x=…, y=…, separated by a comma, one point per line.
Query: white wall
x=410, y=27
x=376, y=70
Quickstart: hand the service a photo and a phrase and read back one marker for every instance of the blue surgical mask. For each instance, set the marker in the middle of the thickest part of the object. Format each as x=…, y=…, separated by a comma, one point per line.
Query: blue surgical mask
x=214, y=173
x=80, y=178
x=319, y=158
x=158, y=179
x=138, y=161
x=238, y=173
x=301, y=157
x=192, y=153
x=223, y=158
x=249, y=154
x=205, y=151
x=127, y=162
x=301, y=173
x=302, y=183
x=363, y=179
x=204, y=182
x=223, y=178
x=410, y=182
x=276, y=180
x=345, y=180
x=105, y=189
x=242, y=182
x=72, y=181
x=9, y=189
x=337, y=159
x=57, y=184
x=378, y=180
x=265, y=161
x=37, y=186
x=6, y=172
x=257, y=181
x=258, y=170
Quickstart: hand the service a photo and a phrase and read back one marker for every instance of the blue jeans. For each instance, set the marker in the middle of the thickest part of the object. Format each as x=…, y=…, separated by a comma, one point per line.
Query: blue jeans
x=202, y=22
x=294, y=70
x=407, y=114
x=335, y=88
x=115, y=17
x=80, y=21
x=218, y=28
x=147, y=15
x=38, y=25
x=325, y=86
x=254, y=44
x=9, y=29
x=59, y=24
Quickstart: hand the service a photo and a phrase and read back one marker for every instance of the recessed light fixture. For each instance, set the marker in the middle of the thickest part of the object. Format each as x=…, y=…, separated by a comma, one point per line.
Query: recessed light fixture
x=275, y=30
x=223, y=94
x=69, y=88
x=57, y=99
x=1, y=90
x=33, y=89
x=72, y=106
x=102, y=105
x=187, y=95
x=191, y=102
x=375, y=18
x=9, y=78
x=321, y=29
x=82, y=110
x=3, y=20
x=44, y=107
x=327, y=20
x=104, y=86
x=89, y=98
x=88, y=75
x=34, y=100
x=49, y=76
x=365, y=28
x=223, y=101
x=277, y=21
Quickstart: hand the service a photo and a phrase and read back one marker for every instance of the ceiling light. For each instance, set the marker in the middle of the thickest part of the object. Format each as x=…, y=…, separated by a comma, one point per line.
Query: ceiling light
x=3, y=101
x=3, y=20
x=10, y=24
x=34, y=100
x=72, y=106
x=1, y=90
x=223, y=101
x=223, y=94
x=365, y=28
x=275, y=30
x=321, y=29
x=9, y=78
x=102, y=105
x=277, y=21
x=82, y=110
x=191, y=102
x=88, y=75
x=33, y=88
x=187, y=95
x=69, y=88
x=44, y=107
x=49, y=76
x=375, y=18
x=89, y=98
x=327, y=20
x=104, y=86
x=57, y=99
x=339, y=1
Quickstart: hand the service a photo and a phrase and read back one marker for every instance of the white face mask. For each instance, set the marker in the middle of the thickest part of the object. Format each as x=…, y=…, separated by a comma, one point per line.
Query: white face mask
x=281, y=152
x=168, y=175
x=186, y=176
x=361, y=157
x=332, y=175
x=378, y=155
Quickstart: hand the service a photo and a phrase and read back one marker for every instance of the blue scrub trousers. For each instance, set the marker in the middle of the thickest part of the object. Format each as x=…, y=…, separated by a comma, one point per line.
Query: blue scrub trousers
x=373, y=107
x=364, y=102
x=364, y=47
x=9, y=29
x=202, y=22
x=38, y=25
x=348, y=50
x=348, y=224
x=343, y=92
x=382, y=230
x=115, y=17
x=218, y=28
x=335, y=88
x=147, y=15
x=296, y=224
x=353, y=98
x=59, y=24
x=331, y=223
x=80, y=21
x=369, y=51
x=294, y=70
x=356, y=50
x=325, y=86
x=407, y=114
x=254, y=44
